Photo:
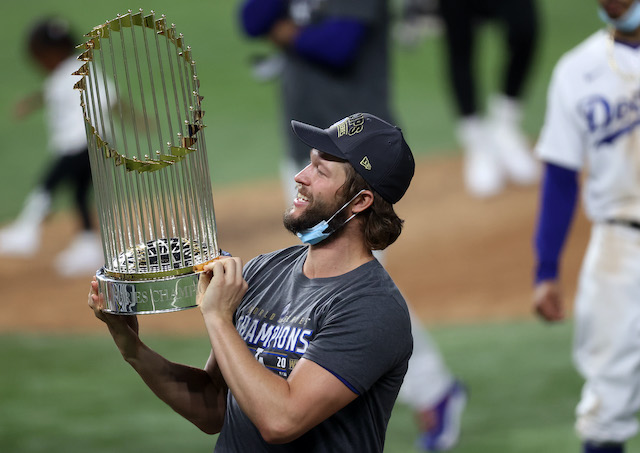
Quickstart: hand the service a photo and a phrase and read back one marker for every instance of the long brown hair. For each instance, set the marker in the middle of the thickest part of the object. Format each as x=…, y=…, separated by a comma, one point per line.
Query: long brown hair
x=380, y=223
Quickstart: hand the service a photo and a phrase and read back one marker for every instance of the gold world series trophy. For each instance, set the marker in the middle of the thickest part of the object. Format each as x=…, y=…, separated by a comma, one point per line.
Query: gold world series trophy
x=143, y=116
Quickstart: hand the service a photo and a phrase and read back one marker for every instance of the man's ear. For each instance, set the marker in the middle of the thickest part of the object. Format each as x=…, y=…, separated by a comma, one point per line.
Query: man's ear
x=362, y=202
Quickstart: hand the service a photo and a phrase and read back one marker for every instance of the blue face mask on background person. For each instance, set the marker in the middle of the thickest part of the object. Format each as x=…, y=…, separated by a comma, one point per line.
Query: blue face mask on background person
x=321, y=230
x=628, y=22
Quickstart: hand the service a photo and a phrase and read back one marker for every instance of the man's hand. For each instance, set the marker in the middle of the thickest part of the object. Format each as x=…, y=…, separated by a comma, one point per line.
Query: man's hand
x=548, y=302
x=283, y=33
x=123, y=328
x=221, y=287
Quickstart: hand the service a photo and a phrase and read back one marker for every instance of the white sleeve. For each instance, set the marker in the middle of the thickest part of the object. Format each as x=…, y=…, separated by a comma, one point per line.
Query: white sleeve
x=561, y=141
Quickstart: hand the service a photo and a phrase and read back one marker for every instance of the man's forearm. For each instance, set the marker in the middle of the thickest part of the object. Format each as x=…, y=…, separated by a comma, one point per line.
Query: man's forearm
x=198, y=395
x=558, y=199
x=262, y=395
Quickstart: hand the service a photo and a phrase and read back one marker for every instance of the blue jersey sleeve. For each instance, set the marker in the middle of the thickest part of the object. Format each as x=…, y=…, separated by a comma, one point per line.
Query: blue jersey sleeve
x=558, y=199
x=258, y=16
x=334, y=42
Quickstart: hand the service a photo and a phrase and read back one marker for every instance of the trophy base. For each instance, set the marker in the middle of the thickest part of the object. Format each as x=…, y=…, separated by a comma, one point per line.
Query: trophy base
x=147, y=297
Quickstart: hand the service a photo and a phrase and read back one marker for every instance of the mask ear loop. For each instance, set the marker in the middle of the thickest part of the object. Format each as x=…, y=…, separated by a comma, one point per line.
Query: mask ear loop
x=339, y=210
x=314, y=235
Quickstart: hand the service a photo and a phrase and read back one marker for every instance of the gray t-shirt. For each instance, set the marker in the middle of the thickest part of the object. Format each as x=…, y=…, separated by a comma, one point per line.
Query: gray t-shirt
x=317, y=95
x=355, y=325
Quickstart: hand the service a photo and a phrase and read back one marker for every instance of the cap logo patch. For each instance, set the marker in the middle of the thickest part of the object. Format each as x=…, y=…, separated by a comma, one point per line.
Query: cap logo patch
x=351, y=125
x=365, y=163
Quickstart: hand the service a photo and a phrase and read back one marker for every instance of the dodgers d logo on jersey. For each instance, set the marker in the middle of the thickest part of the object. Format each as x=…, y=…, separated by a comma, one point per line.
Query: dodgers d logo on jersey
x=608, y=119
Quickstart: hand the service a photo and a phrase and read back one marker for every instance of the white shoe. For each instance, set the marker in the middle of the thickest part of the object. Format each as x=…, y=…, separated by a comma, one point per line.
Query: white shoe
x=512, y=148
x=84, y=256
x=20, y=239
x=483, y=174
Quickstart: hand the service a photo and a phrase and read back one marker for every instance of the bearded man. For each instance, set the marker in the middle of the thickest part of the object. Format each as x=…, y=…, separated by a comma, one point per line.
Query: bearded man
x=310, y=344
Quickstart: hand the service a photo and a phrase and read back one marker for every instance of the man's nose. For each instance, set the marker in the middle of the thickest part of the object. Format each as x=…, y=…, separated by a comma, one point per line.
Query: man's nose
x=301, y=177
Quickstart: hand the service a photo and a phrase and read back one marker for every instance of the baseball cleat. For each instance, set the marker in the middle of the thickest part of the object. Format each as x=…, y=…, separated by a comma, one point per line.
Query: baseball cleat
x=447, y=415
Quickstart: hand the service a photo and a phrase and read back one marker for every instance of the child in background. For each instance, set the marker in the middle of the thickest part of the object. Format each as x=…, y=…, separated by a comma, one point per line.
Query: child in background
x=51, y=45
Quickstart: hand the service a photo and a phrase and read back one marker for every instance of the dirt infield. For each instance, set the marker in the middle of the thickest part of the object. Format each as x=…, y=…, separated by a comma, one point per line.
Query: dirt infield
x=458, y=259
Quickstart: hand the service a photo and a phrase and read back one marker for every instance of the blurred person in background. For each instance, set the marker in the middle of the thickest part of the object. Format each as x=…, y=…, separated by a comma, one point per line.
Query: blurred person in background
x=51, y=45
x=592, y=126
x=495, y=149
x=333, y=58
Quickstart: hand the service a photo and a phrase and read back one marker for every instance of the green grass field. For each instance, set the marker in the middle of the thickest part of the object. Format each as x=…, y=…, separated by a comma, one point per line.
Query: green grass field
x=73, y=393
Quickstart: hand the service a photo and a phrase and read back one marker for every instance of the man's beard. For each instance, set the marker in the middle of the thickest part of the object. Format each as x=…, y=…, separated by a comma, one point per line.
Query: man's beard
x=315, y=213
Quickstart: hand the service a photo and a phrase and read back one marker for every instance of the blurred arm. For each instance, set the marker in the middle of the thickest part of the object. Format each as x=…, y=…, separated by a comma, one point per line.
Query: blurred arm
x=557, y=207
x=258, y=16
x=28, y=104
x=334, y=42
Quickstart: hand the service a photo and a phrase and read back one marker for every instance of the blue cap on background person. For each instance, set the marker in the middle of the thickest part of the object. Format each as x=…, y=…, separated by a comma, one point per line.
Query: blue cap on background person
x=376, y=150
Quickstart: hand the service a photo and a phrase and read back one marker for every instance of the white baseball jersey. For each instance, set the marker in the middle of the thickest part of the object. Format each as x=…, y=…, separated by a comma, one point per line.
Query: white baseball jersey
x=592, y=119
x=592, y=123
x=65, y=120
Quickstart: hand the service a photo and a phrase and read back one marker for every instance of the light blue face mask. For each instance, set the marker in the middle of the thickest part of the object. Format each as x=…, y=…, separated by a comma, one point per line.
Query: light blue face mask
x=321, y=230
x=628, y=22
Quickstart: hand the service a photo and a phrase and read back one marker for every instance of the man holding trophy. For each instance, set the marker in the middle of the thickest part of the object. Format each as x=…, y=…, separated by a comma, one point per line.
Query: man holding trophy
x=310, y=344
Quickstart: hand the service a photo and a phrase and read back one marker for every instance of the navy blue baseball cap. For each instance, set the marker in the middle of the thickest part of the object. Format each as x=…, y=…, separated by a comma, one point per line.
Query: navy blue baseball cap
x=376, y=150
